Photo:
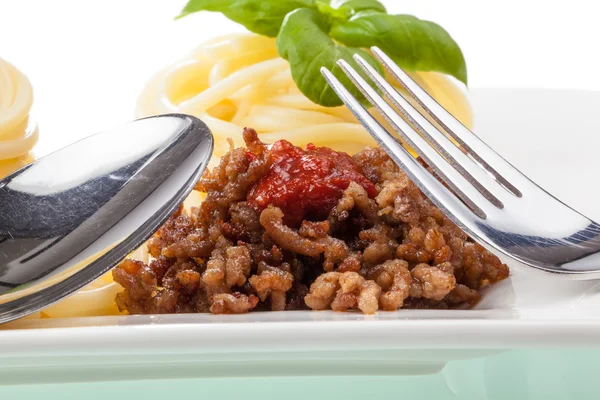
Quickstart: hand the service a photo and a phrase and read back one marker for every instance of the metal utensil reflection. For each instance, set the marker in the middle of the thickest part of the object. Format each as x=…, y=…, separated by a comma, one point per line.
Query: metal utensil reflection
x=117, y=186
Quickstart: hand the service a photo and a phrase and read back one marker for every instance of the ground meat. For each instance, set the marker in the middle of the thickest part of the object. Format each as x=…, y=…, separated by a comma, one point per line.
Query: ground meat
x=431, y=282
x=354, y=196
x=214, y=274
x=344, y=291
x=400, y=201
x=243, y=225
x=462, y=294
x=235, y=303
x=368, y=298
x=378, y=244
x=189, y=280
x=352, y=263
x=323, y=290
x=189, y=247
x=393, y=298
x=295, y=297
x=272, y=220
x=376, y=165
x=382, y=245
x=347, y=295
x=336, y=251
x=237, y=266
x=139, y=280
x=314, y=230
x=273, y=282
x=177, y=228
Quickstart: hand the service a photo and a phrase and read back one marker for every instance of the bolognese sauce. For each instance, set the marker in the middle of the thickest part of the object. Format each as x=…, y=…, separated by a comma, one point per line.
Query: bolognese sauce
x=285, y=228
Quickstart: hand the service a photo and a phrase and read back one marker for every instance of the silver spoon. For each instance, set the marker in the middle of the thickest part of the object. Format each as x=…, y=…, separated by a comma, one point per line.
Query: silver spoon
x=115, y=187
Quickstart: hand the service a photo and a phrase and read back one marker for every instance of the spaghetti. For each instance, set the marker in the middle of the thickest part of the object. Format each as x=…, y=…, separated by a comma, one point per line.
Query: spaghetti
x=17, y=136
x=238, y=80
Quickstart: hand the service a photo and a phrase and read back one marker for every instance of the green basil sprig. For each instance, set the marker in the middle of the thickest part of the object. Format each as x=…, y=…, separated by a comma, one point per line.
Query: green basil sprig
x=354, y=6
x=414, y=44
x=259, y=16
x=315, y=33
x=303, y=41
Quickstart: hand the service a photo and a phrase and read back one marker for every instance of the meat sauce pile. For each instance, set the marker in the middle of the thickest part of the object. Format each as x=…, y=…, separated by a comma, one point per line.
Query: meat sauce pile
x=283, y=228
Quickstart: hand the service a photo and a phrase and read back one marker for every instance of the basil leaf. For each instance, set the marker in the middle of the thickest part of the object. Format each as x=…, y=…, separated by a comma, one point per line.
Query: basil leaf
x=355, y=6
x=304, y=42
x=414, y=44
x=260, y=16
x=331, y=14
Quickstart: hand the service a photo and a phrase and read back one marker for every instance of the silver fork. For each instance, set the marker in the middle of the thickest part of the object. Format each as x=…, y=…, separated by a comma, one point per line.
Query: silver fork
x=485, y=195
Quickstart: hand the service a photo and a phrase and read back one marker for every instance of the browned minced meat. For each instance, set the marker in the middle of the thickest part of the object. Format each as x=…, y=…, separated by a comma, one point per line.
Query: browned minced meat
x=394, y=250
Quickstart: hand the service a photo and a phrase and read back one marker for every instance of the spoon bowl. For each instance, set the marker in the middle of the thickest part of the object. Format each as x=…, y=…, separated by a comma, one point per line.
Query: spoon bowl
x=106, y=194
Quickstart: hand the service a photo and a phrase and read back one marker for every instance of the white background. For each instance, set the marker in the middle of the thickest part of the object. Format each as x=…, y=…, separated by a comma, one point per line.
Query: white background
x=88, y=60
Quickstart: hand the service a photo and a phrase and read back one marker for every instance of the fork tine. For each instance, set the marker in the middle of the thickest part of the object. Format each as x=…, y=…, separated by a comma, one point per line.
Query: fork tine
x=461, y=186
x=435, y=190
x=465, y=166
x=475, y=147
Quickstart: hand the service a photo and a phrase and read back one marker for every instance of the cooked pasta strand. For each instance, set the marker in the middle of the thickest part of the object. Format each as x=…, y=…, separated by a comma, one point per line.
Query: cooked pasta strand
x=17, y=134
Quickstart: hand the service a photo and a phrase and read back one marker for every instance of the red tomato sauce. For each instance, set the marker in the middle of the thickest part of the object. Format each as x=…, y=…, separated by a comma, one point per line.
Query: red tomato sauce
x=306, y=184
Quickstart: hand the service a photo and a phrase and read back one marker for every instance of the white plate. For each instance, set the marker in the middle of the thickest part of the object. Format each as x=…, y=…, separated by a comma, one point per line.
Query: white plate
x=551, y=135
